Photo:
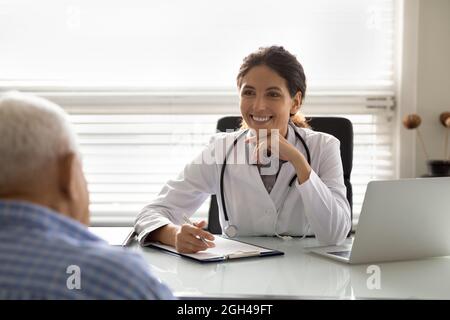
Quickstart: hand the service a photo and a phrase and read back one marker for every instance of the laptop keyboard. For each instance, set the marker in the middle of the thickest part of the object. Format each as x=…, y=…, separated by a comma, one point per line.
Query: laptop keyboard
x=344, y=254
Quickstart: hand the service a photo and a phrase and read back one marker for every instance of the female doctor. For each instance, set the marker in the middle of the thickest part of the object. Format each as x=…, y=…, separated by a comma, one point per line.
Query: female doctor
x=301, y=193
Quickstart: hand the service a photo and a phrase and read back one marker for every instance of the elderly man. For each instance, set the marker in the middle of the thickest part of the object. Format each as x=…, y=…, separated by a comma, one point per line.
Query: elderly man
x=46, y=251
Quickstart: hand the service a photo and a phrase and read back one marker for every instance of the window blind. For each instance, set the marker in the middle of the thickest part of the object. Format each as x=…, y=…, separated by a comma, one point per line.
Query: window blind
x=128, y=157
x=345, y=44
x=145, y=82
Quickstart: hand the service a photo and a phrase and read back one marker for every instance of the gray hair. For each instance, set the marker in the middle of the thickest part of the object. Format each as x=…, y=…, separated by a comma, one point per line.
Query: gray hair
x=34, y=132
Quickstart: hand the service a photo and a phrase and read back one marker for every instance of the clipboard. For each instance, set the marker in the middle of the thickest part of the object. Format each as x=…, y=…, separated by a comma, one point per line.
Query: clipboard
x=226, y=249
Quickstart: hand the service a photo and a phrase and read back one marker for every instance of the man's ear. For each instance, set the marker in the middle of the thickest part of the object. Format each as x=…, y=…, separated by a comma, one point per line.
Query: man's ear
x=296, y=103
x=66, y=176
x=72, y=188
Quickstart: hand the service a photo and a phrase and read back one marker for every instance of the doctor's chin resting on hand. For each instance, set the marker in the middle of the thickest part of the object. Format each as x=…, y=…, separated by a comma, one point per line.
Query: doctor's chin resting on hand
x=274, y=177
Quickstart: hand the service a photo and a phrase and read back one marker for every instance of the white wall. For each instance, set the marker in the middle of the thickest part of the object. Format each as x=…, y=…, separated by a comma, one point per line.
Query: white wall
x=433, y=77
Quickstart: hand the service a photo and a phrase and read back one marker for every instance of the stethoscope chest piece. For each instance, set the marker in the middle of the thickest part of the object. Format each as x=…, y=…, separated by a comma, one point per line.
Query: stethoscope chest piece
x=231, y=231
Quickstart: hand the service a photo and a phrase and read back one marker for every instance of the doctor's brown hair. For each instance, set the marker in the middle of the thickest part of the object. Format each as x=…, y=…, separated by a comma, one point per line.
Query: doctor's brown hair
x=286, y=66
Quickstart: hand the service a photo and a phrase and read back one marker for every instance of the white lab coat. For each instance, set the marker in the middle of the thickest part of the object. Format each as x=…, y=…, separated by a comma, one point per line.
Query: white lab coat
x=318, y=206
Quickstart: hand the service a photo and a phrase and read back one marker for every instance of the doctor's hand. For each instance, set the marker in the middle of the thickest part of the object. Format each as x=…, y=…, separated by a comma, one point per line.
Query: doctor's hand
x=192, y=238
x=282, y=150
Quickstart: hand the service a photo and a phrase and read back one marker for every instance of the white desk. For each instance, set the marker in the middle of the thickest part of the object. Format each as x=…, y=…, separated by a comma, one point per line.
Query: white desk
x=298, y=274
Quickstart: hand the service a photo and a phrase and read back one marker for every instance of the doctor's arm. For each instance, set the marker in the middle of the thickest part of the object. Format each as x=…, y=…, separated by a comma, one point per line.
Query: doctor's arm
x=186, y=238
x=162, y=219
x=324, y=197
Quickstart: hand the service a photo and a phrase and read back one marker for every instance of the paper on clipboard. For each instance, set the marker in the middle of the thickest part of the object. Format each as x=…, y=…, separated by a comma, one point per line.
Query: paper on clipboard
x=225, y=249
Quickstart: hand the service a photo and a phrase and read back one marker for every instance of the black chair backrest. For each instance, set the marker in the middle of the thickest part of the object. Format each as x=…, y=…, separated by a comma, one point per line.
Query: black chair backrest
x=341, y=128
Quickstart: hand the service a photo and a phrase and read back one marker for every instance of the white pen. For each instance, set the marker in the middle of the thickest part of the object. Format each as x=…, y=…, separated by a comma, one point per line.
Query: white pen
x=129, y=238
x=188, y=221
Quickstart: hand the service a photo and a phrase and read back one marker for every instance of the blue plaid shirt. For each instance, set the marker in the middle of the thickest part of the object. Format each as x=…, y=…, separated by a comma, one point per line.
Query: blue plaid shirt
x=45, y=255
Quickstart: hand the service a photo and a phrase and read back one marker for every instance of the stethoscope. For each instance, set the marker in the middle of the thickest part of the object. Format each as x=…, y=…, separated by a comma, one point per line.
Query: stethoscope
x=230, y=229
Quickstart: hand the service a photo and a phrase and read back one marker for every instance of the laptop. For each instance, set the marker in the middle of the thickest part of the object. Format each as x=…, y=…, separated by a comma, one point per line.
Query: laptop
x=402, y=219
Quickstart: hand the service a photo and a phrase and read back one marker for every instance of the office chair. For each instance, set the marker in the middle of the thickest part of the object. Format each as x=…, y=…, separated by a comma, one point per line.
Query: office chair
x=341, y=128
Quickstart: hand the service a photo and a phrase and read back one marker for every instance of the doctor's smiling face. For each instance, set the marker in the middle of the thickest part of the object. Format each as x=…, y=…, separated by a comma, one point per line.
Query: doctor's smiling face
x=271, y=85
x=265, y=101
